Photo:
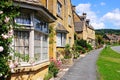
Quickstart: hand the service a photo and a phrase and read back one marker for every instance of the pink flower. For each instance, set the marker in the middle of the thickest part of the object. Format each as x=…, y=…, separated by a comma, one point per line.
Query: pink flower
x=11, y=65
x=6, y=19
x=1, y=48
x=1, y=12
x=5, y=36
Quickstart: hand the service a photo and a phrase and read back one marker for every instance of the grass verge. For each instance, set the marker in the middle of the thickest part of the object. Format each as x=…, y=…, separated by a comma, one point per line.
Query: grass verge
x=108, y=64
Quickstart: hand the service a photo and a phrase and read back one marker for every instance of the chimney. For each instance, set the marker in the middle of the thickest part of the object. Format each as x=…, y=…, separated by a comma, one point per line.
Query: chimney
x=73, y=8
x=84, y=14
x=88, y=21
x=83, y=17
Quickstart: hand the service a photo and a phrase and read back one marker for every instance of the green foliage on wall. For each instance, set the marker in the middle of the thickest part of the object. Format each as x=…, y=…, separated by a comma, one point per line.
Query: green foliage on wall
x=7, y=14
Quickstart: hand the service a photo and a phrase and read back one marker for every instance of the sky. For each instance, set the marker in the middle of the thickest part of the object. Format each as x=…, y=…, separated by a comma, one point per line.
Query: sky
x=103, y=14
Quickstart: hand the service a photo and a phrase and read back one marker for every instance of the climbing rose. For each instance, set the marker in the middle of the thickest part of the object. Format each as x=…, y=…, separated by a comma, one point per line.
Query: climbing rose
x=5, y=36
x=6, y=19
x=1, y=48
x=10, y=33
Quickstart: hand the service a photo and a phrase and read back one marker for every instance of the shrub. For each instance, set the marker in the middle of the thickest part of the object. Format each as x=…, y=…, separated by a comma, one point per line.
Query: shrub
x=48, y=76
x=54, y=67
x=79, y=48
x=75, y=52
x=68, y=53
x=83, y=50
x=89, y=47
x=81, y=43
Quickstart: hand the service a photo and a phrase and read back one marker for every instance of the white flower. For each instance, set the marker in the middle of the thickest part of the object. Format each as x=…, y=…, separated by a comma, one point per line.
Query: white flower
x=1, y=12
x=5, y=36
x=6, y=19
x=1, y=48
x=11, y=27
x=10, y=33
x=11, y=65
x=1, y=74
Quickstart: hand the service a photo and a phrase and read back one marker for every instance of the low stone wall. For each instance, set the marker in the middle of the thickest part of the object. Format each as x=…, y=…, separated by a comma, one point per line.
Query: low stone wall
x=36, y=72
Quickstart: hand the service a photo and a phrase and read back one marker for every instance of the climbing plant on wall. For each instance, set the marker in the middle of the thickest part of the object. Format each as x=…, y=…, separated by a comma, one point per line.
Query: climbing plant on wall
x=7, y=14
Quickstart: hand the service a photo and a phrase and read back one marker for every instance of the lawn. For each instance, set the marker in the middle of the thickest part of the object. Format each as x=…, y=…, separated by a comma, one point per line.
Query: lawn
x=108, y=64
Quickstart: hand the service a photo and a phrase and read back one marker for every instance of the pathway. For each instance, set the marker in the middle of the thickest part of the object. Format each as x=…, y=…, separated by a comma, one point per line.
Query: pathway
x=84, y=68
x=116, y=48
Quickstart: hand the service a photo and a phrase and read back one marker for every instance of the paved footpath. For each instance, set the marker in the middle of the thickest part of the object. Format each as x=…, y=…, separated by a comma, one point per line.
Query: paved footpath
x=116, y=48
x=84, y=68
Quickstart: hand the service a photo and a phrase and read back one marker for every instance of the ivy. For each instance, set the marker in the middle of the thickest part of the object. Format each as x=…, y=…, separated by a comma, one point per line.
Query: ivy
x=51, y=34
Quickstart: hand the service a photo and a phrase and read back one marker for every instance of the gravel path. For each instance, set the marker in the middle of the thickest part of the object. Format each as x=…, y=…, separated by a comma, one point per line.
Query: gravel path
x=84, y=68
x=116, y=48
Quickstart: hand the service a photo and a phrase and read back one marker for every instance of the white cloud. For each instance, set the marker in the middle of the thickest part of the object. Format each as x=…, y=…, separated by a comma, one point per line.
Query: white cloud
x=113, y=17
x=98, y=25
x=102, y=4
x=95, y=21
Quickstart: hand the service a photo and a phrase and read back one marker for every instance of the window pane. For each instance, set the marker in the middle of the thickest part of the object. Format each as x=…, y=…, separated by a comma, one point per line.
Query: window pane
x=45, y=53
x=59, y=39
x=24, y=18
x=21, y=45
x=59, y=6
x=41, y=26
x=45, y=47
x=37, y=46
x=63, y=39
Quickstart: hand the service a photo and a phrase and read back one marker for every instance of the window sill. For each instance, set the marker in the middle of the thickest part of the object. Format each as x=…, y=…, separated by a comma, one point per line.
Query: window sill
x=28, y=68
x=60, y=46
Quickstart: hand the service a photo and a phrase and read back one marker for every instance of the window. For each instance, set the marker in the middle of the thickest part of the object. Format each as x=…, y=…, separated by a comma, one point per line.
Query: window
x=40, y=46
x=45, y=47
x=40, y=25
x=21, y=45
x=59, y=9
x=61, y=39
x=69, y=20
x=69, y=40
x=37, y=46
x=23, y=19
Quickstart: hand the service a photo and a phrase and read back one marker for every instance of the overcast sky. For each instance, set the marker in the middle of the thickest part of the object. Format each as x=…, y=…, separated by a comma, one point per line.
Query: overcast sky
x=102, y=13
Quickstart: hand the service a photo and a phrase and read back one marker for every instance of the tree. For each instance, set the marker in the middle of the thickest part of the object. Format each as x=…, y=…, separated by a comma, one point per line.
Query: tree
x=7, y=14
x=99, y=39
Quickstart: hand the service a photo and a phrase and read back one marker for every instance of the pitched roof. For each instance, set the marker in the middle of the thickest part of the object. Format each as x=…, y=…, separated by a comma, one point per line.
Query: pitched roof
x=111, y=36
x=61, y=28
x=78, y=26
x=91, y=27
